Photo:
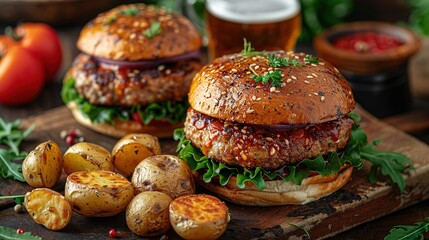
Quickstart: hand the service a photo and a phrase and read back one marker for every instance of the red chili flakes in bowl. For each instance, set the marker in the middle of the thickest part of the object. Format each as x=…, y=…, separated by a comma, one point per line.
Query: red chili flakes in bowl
x=367, y=42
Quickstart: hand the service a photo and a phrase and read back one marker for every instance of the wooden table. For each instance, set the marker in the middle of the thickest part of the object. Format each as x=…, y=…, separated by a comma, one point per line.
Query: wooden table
x=415, y=122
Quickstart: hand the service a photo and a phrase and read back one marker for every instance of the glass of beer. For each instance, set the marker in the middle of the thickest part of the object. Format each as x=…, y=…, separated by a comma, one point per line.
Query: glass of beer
x=268, y=25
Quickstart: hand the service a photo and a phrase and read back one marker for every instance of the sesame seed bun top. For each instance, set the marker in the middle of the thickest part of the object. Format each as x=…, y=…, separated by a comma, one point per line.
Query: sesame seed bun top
x=138, y=32
x=309, y=92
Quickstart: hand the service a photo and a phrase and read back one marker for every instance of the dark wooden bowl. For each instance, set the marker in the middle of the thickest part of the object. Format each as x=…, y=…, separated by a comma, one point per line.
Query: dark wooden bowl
x=366, y=62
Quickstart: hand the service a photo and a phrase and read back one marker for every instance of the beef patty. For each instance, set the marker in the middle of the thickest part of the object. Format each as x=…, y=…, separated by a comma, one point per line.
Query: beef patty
x=111, y=85
x=269, y=147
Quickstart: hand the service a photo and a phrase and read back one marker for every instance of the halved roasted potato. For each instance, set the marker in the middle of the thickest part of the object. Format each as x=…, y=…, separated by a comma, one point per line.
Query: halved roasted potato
x=199, y=216
x=98, y=193
x=42, y=167
x=164, y=173
x=48, y=208
x=85, y=156
x=130, y=150
x=147, y=214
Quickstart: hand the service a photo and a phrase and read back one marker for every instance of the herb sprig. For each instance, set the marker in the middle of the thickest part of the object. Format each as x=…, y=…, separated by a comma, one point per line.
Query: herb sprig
x=12, y=136
x=275, y=77
x=309, y=59
x=249, y=51
x=109, y=20
x=409, y=232
x=357, y=149
x=276, y=62
x=307, y=233
x=153, y=30
x=133, y=11
x=19, y=199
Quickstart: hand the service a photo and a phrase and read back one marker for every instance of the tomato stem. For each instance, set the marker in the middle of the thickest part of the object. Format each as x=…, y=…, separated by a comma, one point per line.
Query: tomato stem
x=11, y=33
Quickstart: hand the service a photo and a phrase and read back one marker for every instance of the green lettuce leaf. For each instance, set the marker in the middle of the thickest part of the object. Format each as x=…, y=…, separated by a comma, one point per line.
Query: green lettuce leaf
x=391, y=164
x=168, y=110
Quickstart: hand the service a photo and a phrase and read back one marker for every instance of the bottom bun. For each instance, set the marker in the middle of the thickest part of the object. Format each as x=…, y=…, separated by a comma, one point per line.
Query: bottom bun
x=279, y=192
x=122, y=128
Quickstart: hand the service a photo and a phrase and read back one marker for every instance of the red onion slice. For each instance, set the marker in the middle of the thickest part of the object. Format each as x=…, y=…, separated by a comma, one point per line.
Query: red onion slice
x=288, y=127
x=146, y=63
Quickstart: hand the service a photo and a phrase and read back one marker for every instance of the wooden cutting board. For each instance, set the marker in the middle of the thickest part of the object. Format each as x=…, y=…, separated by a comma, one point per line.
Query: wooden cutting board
x=358, y=202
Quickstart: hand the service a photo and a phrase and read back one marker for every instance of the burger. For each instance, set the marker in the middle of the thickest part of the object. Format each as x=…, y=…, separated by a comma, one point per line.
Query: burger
x=133, y=74
x=270, y=128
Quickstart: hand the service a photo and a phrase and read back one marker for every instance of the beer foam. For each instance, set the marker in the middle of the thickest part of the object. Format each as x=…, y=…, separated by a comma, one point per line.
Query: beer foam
x=253, y=11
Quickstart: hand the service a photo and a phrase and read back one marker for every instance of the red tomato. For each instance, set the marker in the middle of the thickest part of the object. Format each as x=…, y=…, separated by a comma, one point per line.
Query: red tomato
x=44, y=43
x=22, y=76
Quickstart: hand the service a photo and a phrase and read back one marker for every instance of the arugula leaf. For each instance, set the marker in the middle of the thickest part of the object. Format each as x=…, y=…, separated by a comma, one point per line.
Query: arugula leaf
x=153, y=30
x=9, y=169
x=171, y=111
x=19, y=199
x=197, y=161
x=388, y=163
x=301, y=228
x=409, y=232
x=13, y=196
x=9, y=233
x=12, y=136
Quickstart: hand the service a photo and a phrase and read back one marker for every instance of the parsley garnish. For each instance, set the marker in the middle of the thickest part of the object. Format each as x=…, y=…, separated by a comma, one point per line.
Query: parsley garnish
x=11, y=136
x=277, y=62
x=391, y=164
x=274, y=61
x=409, y=232
x=109, y=21
x=153, y=30
x=248, y=51
x=133, y=11
x=309, y=59
x=275, y=77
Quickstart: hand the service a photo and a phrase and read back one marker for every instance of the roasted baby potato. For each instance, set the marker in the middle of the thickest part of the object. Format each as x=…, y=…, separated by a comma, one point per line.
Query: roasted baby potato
x=43, y=166
x=147, y=214
x=86, y=156
x=199, y=216
x=48, y=208
x=164, y=173
x=98, y=193
x=130, y=150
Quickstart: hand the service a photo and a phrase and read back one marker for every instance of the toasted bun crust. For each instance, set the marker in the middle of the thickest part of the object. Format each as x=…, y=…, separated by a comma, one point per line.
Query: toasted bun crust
x=122, y=128
x=310, y=93
x=118, y=34
x=279, y=192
